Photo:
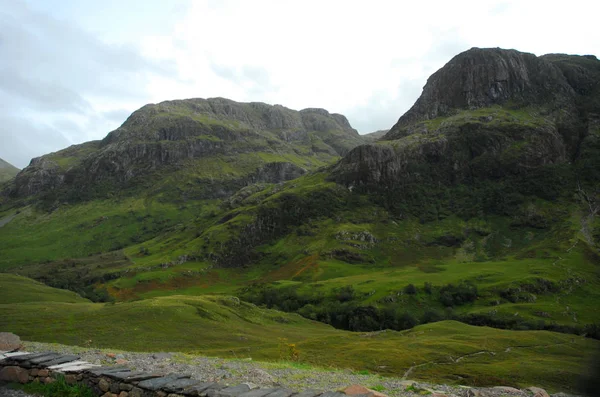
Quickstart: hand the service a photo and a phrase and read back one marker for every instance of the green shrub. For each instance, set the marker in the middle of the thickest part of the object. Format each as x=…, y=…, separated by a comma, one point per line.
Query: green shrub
x=59, y=388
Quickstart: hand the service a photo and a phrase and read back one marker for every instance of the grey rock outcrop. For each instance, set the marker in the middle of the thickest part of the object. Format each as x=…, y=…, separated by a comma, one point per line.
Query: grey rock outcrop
x=168, y=136
x=487, y=114
x=483, y=77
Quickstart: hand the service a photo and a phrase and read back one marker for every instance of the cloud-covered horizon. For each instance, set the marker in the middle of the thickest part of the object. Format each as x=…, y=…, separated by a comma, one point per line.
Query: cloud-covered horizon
x=72, y=71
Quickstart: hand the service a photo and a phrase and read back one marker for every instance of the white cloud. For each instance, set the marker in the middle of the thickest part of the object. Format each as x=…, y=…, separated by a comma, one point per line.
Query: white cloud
x=365, y=59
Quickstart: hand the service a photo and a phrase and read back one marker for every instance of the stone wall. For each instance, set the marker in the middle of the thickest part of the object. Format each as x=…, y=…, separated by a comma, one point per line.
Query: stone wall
x=123, y=382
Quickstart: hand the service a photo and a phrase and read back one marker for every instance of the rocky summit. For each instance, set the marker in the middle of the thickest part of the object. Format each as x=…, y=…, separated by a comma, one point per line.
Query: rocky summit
x=488, y=114
x=273, y=143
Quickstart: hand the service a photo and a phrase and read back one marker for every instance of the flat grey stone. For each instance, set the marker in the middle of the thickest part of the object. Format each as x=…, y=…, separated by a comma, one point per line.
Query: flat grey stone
x=257, y=393
x=232, y=391
x=180, y=384
x=158, y=383
x=60, y=360
x=281, y=393
x=108, y=370
x=309, y=393
x=214, y=387
x=26, y=357
x=9, y=342
x=41, y=359
x=8, y=356
x=132, y=376
x=197, y=389
x=78, y=368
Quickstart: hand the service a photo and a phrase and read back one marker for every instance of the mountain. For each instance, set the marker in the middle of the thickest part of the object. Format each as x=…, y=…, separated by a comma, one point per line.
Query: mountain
x=204, y=140
x=489, y=114
x=479, y=205
x=374, y=136
x=482, y=200
x=7, y=171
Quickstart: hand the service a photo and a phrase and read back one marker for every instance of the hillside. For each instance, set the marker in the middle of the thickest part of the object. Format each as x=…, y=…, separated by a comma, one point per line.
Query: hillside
x=7, y=171
x=226, y=327
x=480, y=205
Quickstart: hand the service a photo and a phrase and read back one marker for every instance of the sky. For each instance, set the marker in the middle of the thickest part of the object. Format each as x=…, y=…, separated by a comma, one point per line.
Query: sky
x=73, y=70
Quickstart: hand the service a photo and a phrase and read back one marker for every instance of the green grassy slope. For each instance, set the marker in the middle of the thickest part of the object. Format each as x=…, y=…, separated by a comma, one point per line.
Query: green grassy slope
x=220, y=325
x=533, y=269
x=17, y=289
x=7, y=171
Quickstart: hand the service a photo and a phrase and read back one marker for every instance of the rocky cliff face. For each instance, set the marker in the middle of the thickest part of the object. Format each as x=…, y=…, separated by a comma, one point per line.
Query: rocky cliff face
x=480, y=78
x=174, y=134
x=487, y=114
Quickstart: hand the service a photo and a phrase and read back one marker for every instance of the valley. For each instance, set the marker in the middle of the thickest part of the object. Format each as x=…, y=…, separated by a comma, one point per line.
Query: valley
x=461, y=246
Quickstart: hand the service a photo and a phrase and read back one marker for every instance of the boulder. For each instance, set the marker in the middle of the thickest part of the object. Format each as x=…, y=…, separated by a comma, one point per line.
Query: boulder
x=9, y=342
x=537, y=392
x=14, y=374
x=136, y=392
x=104, y=385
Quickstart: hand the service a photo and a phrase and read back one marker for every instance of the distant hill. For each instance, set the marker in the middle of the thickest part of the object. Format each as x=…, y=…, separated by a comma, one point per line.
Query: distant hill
x=374, y=136
x=7, y=171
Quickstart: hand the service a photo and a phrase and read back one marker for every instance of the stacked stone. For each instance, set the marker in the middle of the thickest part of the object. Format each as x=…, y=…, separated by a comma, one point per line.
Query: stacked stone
x=122, y=382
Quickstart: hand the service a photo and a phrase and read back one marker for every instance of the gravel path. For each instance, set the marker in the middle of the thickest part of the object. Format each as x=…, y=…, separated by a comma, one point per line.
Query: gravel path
x=296, y=377
x=6, y=392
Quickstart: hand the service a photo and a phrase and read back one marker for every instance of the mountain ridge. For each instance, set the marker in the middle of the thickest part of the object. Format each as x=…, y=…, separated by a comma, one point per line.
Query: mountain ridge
x=168, y=135
x=7, y=171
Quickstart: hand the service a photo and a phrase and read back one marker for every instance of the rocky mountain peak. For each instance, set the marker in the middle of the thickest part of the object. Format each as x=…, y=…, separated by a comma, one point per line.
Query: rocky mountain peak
x=172, y=135
x=231, y=114
x=482, y=77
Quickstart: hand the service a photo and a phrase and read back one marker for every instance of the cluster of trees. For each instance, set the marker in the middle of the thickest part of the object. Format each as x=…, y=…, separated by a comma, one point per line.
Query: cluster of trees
x=343, y=307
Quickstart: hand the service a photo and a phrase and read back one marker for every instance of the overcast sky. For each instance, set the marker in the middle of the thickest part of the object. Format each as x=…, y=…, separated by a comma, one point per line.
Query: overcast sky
x=73, y=70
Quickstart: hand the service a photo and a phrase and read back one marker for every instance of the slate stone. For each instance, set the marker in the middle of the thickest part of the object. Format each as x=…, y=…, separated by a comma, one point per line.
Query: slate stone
x=60, y=360
x=108, y=370
x=132, y=376
x=180, y=384
x=9, y=342
x=158, y=383
x=213, y=388
x=26, y=357
x=232, y=391
x=309, y=393
x=258, y=393
x=196, y=390
x=41, y=359
x=281, y=393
